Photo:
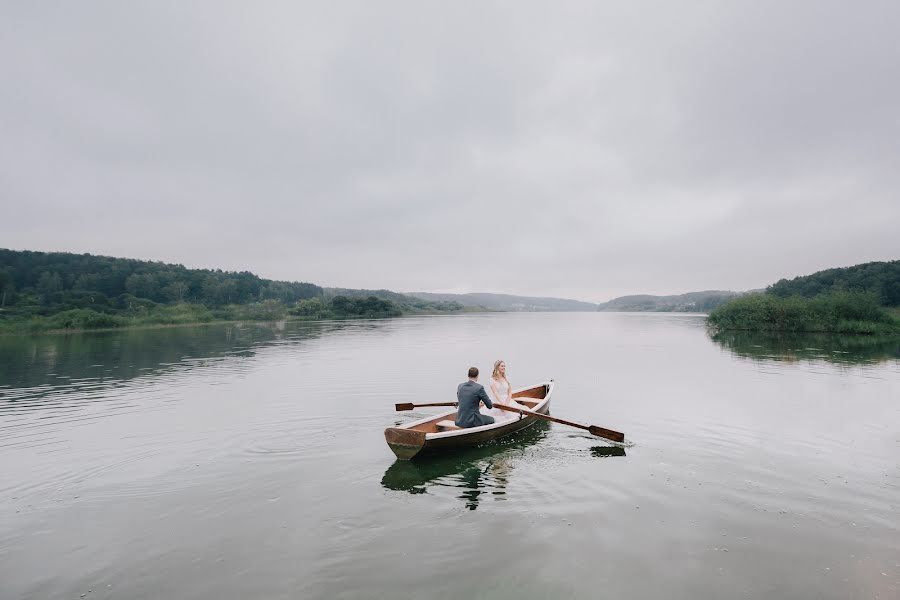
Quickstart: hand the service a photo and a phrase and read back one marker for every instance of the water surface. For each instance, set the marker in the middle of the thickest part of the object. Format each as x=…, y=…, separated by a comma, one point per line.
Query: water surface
x=248, y=461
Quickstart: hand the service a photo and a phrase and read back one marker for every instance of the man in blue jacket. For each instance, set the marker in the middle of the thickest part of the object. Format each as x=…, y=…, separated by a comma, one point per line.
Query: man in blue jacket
x=470, y=394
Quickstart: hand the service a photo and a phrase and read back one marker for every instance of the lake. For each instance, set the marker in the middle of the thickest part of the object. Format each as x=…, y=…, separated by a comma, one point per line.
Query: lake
x=248, y=461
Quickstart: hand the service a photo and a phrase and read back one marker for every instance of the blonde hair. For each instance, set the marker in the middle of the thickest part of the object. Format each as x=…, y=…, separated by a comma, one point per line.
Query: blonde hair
x=496, y=373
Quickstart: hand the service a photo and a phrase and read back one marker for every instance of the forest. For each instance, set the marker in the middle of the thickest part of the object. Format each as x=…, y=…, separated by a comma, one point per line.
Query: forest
x=879, y=278
x=42, y=291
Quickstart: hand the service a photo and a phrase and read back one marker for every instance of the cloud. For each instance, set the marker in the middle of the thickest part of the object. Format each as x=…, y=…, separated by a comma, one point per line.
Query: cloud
x=578, y=150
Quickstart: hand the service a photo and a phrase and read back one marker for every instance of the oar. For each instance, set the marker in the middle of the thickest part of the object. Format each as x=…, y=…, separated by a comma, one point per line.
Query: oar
x=608, y=434
x=410, y=405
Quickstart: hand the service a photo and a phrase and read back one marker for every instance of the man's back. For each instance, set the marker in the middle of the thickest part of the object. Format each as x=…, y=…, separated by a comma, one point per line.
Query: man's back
x=470, y=394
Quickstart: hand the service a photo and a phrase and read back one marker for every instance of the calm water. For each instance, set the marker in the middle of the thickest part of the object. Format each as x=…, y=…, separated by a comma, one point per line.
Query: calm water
x=249, y=462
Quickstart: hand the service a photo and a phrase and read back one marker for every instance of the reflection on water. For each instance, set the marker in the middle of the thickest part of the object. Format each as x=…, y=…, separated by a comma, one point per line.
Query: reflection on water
x=245, y=461
x=30, y=361
x=51, y=383
x=482, y=469
x=793, y=347
x=605, y=451
x=33, y=368
x=479, y=472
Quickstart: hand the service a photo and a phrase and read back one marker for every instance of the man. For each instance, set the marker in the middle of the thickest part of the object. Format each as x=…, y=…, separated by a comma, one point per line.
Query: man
x=470, y=394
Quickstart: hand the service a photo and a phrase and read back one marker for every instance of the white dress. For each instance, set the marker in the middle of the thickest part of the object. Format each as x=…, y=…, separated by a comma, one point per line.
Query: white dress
x=503, y=389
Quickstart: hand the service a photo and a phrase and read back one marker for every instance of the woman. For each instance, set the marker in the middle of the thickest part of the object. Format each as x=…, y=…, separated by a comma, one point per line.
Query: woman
x=501, y=392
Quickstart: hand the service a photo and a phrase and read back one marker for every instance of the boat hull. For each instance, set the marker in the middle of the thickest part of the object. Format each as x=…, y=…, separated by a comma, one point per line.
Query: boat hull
x=415, y=439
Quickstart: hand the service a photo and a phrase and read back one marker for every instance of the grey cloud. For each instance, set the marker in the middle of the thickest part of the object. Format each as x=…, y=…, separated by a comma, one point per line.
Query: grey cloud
x=580, y=149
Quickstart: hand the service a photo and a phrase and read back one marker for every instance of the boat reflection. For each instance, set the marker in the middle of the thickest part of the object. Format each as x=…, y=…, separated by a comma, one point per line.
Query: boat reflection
x=479, y=471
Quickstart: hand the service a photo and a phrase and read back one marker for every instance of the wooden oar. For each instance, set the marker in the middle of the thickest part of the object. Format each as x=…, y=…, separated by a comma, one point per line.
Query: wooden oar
x=608, y=434
x=410, y=405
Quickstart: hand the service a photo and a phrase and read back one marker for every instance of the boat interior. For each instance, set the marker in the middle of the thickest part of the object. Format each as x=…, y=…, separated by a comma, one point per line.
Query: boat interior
x=446, y=421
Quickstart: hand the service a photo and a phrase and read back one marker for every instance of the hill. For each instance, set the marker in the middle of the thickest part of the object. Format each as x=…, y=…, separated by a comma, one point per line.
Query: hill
x=507, y=302
x=690, y=302
x=879, y=278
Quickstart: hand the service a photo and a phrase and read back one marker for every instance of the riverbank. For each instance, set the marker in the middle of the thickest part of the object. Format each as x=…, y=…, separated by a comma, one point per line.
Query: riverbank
x=191, y=317
x=838, y=312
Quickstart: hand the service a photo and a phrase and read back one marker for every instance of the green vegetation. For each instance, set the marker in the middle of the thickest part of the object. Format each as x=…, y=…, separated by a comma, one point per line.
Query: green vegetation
x=836, y=312
x=342, y=307
x=879, y=278
x=841, y=312
x=60, y=291
x=407, y=303
x=860, y=299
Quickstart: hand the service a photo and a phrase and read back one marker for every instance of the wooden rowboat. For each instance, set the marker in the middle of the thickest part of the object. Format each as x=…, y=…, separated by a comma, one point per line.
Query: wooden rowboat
x=439, y=433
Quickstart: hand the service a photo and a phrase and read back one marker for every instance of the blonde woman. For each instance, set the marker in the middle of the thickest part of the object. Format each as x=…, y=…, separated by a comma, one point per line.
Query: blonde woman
x=501, y=392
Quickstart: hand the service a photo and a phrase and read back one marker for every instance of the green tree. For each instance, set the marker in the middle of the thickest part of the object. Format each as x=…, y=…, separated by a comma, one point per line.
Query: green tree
x=7, y=287
x=310, y=307
x=175, y=291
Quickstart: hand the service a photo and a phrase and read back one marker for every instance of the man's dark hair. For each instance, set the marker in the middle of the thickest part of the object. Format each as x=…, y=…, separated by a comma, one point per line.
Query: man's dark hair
x=473, y=372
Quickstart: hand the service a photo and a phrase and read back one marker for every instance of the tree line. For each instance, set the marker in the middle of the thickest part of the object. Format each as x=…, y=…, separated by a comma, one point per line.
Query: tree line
x=369, y=307
x=47, y=282
x=879, y=278
x=42, y=291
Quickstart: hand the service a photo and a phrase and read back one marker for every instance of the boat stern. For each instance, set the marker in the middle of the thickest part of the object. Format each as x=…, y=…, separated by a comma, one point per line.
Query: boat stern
x=405, y=443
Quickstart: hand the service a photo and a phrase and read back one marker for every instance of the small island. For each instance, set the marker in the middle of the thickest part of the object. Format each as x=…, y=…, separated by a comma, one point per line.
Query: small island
x=863, y=299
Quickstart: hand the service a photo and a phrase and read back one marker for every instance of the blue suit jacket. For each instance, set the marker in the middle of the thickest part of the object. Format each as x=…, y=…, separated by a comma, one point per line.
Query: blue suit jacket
x=469, y=394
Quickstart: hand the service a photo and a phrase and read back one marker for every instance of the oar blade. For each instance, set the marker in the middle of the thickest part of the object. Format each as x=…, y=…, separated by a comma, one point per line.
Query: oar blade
x=608, y=434
x=404, y=406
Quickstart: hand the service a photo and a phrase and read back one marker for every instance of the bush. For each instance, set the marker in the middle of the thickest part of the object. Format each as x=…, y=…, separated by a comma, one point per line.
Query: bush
x=80, y=318
x=840, y=312
x=268, y=310
x=175, y=314
x=312, y=307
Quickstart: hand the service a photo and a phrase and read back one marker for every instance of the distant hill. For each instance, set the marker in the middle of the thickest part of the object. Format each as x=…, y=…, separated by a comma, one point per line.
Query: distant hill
x=879, y=278
x=507, y=302
x=405, y=302
x=690, y=302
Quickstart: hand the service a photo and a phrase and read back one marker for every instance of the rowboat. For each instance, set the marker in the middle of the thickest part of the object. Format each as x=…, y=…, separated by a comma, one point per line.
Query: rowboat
x=439, y=433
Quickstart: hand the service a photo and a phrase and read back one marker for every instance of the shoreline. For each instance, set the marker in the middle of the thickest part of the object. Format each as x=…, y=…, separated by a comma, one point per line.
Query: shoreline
x=300, y=319
x=296, y=319
x=877, y=332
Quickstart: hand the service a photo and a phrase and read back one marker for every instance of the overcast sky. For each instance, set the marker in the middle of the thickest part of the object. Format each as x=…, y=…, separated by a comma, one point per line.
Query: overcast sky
x=583, y=150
